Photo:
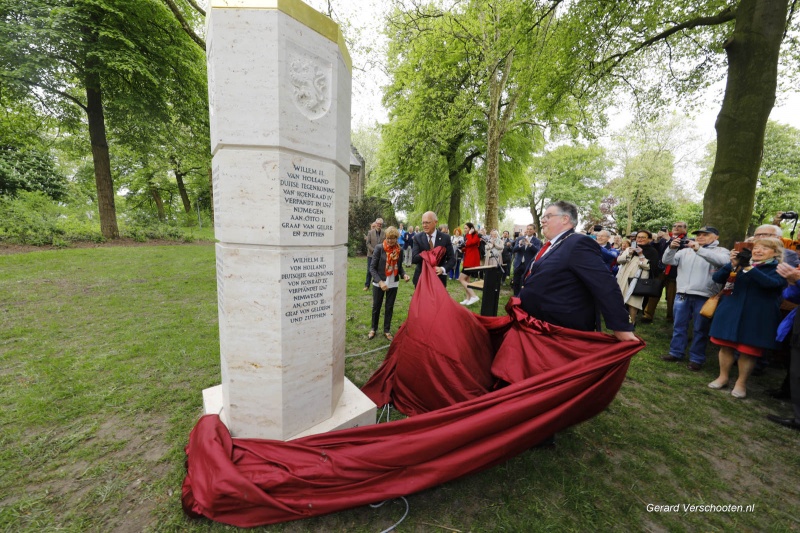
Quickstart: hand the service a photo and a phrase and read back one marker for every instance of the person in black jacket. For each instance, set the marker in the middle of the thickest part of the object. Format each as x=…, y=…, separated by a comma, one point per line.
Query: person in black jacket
x=386, y=269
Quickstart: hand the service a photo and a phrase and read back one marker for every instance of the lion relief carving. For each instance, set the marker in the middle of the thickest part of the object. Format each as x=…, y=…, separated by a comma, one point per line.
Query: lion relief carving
x=311, y=91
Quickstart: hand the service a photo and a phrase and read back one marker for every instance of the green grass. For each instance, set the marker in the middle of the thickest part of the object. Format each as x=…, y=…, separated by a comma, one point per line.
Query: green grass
x=104, y=353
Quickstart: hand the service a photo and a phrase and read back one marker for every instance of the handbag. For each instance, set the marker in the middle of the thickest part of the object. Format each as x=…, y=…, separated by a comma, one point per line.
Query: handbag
x=710, y=306
x=650, y=287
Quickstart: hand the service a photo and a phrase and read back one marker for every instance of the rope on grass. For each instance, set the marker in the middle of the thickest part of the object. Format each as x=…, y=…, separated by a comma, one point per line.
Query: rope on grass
x=391, y=528
x=365, y=353
x=387, y=410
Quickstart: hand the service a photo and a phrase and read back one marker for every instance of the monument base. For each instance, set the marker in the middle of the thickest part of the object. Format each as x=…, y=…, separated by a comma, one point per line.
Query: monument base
x=353, y=410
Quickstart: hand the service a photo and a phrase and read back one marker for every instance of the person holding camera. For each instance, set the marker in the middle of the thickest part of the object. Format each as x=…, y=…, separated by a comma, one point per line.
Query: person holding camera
x=638, y=261
x=748, y=313
x=472, y=258
x=695, y=261
x=666, y=273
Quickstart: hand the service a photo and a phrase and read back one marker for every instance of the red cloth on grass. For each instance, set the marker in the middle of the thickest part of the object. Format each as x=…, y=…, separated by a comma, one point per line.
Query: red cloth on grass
x=559, y=378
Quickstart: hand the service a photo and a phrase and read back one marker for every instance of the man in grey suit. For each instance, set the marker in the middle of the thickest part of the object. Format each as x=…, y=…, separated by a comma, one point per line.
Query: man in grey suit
x=428, y=239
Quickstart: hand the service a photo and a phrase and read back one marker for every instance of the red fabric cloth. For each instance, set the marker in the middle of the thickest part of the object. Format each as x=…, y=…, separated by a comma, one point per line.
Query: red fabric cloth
x=560, y=378
x=452, y=352
x=739, y=347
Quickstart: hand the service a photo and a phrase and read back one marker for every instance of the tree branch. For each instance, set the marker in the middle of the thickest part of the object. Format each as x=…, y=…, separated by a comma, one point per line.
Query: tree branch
x=722, y=17
x=63, y=94
x=196, y=7
x=184, y=24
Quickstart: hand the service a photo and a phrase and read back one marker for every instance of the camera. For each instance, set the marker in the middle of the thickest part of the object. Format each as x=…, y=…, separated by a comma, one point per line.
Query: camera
x=684, y=242
x=789, y=215
x=744, y=257
x=663, y=228
x=598, y=227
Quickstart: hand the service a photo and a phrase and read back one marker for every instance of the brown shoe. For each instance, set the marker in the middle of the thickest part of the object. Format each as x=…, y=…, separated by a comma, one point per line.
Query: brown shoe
x=694, y=367
x=670, y=359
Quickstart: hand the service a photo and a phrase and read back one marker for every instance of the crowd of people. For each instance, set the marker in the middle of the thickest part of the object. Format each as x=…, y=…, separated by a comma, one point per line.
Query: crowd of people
x=571, y=278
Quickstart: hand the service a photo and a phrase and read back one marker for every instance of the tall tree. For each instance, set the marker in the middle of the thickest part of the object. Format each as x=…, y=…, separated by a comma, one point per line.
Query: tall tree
x=112, y=60
x=687, y=39
x=574, y=173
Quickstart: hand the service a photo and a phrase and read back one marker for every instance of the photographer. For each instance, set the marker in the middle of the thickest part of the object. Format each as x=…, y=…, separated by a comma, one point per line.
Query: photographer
x=638, y=261
x=695, y=262
x=749, y=312
x=668, y=273
x=472, y=241
x=494, y=248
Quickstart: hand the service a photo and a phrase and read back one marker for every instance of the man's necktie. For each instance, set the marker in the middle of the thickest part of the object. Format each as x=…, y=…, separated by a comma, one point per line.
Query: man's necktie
x=430, y=242
x=541, y=252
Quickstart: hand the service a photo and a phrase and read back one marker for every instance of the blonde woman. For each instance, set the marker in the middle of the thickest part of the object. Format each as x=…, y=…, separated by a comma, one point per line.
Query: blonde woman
x=386, y=268
x=748, y=313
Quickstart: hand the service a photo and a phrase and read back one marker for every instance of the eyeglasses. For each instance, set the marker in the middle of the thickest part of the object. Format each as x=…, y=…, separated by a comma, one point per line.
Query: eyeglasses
x=549, y=215
x=766, y=235
x=678, y=226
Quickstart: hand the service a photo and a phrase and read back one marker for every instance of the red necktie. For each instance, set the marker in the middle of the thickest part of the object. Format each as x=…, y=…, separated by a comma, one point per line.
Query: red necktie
x=541, y=252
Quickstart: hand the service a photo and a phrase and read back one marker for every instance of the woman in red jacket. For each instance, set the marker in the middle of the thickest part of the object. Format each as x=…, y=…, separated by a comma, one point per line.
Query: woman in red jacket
x=472, y=258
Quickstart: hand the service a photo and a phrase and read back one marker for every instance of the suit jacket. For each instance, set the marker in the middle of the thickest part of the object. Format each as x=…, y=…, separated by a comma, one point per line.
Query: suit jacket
x=571, y=283
x=523, y=254
x=420, y=245
x=377, y=266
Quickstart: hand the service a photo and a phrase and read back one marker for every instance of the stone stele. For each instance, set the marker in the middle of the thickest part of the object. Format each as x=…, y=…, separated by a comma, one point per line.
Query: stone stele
x=279, y=96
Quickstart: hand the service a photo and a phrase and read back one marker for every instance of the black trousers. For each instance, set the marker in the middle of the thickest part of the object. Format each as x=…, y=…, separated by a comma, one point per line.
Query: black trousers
x=377, y=302
x=368, y=281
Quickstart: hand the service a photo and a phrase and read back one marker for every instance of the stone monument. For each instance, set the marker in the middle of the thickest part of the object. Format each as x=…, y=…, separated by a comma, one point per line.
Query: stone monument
x=279, y=86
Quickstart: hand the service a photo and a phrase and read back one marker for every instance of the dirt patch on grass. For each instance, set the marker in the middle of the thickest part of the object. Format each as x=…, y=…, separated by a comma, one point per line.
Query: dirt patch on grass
x=9, y=249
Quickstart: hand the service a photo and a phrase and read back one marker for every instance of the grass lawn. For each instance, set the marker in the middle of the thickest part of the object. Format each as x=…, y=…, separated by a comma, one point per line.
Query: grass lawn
x=104, y=353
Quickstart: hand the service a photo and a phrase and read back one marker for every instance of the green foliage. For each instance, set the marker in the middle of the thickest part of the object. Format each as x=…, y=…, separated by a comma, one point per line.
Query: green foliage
x=574, y=173
x=778, y=186
x=147, y=74
x=29, y=218
x=30, y=170
x=361, y=214
x=650, y=214
x=157, y=231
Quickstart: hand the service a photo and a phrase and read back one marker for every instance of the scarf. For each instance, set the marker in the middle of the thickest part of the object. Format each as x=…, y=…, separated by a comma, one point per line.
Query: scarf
x=727, y=290
x=392, y=257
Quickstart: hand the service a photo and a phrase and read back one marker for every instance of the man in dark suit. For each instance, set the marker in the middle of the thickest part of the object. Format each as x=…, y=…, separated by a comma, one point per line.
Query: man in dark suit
x=568, y=281
x=428, y=239
x=525, y=249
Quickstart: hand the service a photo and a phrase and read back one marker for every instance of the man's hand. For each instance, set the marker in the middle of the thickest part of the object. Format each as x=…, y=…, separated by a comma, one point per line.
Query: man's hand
x=694, y=245
x=675, y=243
x=789, y=272
x=406, y=278
x=440, y=271
x=625, y=336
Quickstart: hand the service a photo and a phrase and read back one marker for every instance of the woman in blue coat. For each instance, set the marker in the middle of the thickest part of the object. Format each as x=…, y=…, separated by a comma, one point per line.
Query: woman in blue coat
x=748, y=313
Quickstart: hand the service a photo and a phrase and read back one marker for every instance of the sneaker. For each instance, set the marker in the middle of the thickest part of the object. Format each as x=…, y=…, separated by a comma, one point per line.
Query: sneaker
x=464, y=301
x=472, y=300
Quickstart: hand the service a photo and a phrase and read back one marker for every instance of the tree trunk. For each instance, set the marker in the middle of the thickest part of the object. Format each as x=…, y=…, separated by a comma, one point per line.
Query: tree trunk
x=100, y=156
x=187, y=205
x=162, y=216
x=749, y=97
x=454, y=214
x=493, y=136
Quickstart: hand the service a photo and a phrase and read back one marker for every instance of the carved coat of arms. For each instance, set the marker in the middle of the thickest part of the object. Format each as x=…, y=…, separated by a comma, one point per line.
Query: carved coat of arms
x=311, y=85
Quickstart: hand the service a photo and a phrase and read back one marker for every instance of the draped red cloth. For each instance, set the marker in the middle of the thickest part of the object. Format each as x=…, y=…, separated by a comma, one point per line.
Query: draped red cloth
x=558, y=377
